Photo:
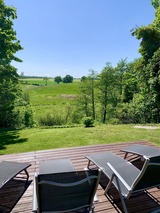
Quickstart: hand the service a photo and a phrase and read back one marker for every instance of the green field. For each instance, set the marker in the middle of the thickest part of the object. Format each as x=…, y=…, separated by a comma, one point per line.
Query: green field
x=38, y=81
x=41, y=81
x=42, y=139
x=46, y=98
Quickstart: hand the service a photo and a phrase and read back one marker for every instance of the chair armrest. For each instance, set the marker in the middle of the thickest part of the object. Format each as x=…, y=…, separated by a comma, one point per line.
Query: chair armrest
x=34, y=201
x=68, y=184
x=115, y=173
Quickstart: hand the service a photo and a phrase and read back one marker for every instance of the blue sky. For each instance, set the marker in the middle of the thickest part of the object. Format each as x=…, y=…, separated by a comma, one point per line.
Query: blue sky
x=62, y=37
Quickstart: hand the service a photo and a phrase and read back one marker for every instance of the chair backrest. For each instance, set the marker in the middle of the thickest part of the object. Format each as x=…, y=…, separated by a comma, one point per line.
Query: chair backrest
x=150, y=174
x=63, y=192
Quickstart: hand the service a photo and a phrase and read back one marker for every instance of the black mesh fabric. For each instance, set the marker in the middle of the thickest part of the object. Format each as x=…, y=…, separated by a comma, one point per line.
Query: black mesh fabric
x=63, y=198
x=151, y=176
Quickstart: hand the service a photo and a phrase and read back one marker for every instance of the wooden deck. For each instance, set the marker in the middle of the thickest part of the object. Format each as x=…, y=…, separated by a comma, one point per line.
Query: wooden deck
x=143, y=203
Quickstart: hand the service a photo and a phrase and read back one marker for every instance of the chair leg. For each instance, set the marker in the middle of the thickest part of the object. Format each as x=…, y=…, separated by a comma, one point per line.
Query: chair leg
x=122, y=200
x=109, y=185
x=93, y=209
x=119, y=189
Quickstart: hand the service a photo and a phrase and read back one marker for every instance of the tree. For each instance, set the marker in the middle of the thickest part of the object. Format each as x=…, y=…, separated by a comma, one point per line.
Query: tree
x=83, y=78
x=58, y=79
x=92, y=78
x=9, y=44
x=130, y=82
x=13, y=107
x=150, y=51
x=68, y=79
x=149, y=35
x=155, y=3
x=120, y=71
x=46, y=79
x=107, y=84
x=153, y=97
x=84, y=103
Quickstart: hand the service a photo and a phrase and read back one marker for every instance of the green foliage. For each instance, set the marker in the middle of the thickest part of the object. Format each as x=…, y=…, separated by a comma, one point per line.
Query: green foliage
x=88, y=121
x=120, y=71
x=153, y=95
x=15, y=111
x=148, y=109
x=67, y=79
x=150, y=41
x=130, y=82
x=58, y=79
x=51, y=119
x=84, y=101
x=9, y=91
x=155, y=3
x=149, y=35
x=9, y=44
x=46, y=79
x=114, y=121
x=107, y=85
x=156, y=22
x=28, y=117
x=83, y=78
x=87, y=98
x=24, y=117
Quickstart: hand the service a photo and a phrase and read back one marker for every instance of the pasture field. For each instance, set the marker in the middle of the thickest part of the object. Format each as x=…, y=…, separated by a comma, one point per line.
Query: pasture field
x=46, y=98
x=38, y=81
x=34, y=139
x=41, y=81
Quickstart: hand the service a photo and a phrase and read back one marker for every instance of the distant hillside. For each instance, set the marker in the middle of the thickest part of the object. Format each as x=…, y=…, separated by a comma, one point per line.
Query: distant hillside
x=52, y=97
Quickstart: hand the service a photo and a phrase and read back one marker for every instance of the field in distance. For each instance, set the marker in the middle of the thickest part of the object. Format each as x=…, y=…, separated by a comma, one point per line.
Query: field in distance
x=45, y=98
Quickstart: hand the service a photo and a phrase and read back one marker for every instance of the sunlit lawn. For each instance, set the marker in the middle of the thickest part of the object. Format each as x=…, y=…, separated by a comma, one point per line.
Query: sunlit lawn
x=28, y=140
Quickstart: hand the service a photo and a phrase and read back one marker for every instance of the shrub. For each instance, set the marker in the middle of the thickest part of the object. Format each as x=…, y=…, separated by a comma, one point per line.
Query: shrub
x=88, y=121
x=51, y=119
x=113, y=121
x=23, y=117
x=28, y=117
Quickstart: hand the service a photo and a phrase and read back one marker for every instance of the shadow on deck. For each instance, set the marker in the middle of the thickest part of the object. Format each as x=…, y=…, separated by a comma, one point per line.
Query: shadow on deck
x=19, y=200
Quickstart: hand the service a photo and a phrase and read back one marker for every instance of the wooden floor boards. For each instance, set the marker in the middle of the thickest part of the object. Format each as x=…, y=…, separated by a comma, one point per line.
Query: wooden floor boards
x=144, y=203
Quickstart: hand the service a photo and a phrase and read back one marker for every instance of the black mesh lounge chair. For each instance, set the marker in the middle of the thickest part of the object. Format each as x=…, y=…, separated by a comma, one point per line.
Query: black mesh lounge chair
x=65, y=192
x=10, y=170
x=127, y=178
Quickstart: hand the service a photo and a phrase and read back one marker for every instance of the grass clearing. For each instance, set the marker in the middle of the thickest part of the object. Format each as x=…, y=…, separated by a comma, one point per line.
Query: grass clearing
x=28, y=140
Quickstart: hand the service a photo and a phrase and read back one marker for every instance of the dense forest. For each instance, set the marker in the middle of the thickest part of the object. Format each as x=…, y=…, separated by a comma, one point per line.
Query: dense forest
x=127, y=93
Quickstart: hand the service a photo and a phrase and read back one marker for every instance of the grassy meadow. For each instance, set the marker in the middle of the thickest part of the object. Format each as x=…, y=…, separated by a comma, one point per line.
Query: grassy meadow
x=53, y=96
x=46, y=98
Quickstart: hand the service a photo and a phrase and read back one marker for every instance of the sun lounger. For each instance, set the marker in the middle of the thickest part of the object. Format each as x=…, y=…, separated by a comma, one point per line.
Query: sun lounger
x=60, y=188
x=125, y=177
x=10, y=170
x=141, y=150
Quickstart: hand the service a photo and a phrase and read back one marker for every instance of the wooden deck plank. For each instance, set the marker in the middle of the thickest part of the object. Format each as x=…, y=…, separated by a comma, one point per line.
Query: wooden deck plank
x=77, y=156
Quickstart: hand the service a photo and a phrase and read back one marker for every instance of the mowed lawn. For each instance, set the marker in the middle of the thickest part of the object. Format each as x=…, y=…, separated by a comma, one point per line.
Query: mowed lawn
x=28, y=140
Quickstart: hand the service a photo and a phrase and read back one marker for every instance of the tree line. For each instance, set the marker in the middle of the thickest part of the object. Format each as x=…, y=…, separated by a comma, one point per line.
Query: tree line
x=127, y=93
x=15, y=109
